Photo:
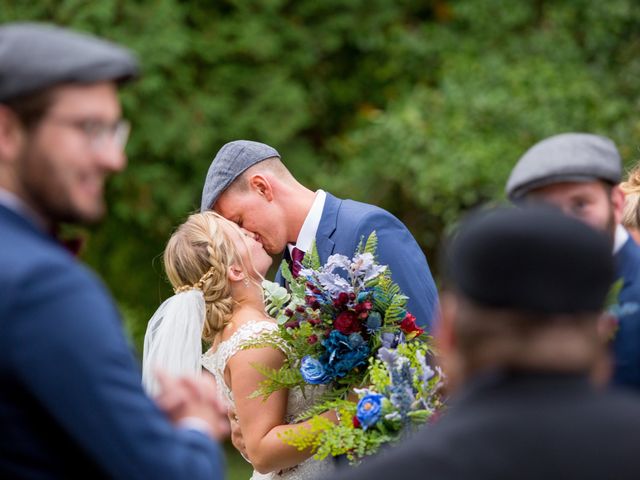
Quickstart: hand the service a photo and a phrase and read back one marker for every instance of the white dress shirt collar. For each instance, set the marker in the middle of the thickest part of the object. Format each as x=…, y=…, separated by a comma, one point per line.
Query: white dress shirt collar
x=620, y=238
x=310, y=226
x=11, y=201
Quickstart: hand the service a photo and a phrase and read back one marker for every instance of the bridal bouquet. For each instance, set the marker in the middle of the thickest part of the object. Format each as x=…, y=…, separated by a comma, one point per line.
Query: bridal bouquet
x=344, y=325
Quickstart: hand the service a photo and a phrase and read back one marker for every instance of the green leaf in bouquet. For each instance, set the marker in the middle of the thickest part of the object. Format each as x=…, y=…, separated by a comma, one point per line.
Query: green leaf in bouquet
x=420, y=416
x=276, y=298
x=276, y=379
x=297, y=288
x=396, y=311
x=614, y=293
x=303, y=438
x=384, y=293
x=372, y=244
x=330, y=399
x=378, y=375
x=311, y=258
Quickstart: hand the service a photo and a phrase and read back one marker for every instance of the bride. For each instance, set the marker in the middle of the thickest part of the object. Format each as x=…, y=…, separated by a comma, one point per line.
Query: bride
x=216, y=270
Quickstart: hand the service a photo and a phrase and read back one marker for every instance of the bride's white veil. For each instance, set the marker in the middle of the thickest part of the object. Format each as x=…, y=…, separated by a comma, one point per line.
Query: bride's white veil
x=172, y=341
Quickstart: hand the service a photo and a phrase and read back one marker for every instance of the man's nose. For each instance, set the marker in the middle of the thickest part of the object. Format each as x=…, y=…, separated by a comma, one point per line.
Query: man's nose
x=111, y=157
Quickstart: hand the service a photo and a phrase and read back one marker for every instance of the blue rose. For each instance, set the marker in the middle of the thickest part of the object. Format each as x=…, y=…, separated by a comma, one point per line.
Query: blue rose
x=369, y=410
x=343, y=353
x=313, y=371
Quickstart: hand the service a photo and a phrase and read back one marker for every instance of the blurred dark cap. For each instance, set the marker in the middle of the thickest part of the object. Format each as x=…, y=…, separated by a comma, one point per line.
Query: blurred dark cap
x=532, y=259
x=36, y=56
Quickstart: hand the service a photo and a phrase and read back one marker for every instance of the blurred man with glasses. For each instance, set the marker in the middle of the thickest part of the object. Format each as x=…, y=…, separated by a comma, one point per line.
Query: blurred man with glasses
x=71, y=400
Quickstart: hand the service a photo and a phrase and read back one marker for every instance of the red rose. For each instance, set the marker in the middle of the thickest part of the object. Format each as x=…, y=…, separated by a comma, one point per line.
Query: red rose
x=347, y=323
x=356, y=422
x=312, y=339
x=408, y=325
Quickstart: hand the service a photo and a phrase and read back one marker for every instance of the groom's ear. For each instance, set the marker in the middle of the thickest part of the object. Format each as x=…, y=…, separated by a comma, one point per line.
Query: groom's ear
x=262, y=186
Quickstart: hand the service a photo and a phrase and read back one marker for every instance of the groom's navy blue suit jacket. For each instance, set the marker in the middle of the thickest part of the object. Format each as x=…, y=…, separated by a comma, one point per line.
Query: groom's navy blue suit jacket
x=71, y=402
x=344, y=223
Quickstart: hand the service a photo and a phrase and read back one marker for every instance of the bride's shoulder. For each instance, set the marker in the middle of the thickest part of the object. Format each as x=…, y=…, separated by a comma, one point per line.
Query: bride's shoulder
x=246, y=322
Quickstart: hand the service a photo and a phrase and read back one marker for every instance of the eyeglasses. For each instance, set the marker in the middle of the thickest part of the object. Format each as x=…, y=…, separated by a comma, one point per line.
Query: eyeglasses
x=97, y=132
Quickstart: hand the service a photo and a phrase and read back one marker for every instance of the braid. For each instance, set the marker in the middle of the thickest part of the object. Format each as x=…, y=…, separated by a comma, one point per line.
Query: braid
x=199, y=255
x=217, y=291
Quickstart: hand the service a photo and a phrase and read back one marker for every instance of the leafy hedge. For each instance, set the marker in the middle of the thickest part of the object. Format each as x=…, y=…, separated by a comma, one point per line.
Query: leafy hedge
x=420, y=106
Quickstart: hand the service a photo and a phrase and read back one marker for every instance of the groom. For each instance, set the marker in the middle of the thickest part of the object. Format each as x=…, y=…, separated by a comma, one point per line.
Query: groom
x=248, y=184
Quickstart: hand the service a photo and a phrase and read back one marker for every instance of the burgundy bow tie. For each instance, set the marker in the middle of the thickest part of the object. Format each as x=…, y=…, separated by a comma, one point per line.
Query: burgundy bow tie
x=72, y=244
x=296, y=261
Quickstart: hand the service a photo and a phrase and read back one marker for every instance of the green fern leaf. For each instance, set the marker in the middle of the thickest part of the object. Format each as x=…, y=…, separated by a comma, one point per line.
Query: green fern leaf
x=372, y=244
x=311, y=258
x=297, y=288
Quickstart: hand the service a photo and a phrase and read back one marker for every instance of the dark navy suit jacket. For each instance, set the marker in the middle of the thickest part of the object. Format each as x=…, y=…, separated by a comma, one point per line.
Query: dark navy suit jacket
x=523, y=426
x=344, y=223
x=71, y=401
x=627, y=340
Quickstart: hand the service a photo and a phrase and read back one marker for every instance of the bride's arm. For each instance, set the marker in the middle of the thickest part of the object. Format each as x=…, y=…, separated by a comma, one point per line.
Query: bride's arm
x=261, y=421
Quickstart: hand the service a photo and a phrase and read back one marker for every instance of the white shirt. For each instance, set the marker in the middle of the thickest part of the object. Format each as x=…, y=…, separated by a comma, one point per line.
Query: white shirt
x=309, y=228
x=620, y=238
x=13, y=202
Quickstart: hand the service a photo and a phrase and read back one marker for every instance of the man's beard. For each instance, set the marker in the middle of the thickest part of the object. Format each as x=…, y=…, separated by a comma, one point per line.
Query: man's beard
x=44, y=190
x=610, y=226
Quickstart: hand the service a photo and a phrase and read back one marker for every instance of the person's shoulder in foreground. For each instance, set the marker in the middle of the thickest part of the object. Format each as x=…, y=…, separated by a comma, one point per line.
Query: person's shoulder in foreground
x=518, y=355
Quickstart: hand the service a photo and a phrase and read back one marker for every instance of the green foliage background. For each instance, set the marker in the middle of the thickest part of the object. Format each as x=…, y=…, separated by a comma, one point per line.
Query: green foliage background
x=419, y=106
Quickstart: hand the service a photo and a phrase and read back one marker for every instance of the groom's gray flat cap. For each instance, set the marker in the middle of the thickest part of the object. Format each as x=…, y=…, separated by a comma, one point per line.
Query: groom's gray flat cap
x=231, y=161
x=35, y=56
x=568, y=157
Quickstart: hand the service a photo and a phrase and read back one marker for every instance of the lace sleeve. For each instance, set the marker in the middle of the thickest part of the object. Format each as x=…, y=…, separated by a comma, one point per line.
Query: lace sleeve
x=243, y=337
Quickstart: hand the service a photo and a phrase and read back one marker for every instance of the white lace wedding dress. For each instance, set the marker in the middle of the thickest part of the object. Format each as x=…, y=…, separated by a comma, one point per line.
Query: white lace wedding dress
x=216, y=361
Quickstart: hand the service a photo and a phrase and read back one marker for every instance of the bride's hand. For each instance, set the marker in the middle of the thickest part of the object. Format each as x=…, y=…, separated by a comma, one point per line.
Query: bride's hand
x=236, y=434
x=186, y=398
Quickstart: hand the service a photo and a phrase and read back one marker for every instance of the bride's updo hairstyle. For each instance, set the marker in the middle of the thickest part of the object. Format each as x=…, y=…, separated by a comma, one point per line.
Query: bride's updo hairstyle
x=198, y=255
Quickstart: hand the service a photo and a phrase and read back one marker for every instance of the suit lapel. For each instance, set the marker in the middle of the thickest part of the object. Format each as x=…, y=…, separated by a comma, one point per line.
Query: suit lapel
x=327, y=227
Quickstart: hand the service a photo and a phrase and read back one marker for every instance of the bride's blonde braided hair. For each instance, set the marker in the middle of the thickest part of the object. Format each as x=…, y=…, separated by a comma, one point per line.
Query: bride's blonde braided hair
x=198, y=255
x=631, y=189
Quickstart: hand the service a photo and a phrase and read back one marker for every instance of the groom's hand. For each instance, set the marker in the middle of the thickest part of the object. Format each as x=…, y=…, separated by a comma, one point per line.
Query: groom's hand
x=236, y=434
x=193, y=403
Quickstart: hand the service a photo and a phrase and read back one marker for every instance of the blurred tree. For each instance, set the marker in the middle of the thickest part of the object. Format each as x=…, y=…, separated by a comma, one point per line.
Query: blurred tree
x=420, y=106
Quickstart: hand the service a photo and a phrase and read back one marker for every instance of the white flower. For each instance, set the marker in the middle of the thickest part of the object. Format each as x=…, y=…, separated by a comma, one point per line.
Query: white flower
x=336, y=261
x=334, y=284
x=364, y=266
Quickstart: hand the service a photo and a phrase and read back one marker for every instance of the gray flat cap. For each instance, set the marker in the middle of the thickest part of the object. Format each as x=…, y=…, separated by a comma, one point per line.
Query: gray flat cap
x=35, y=56
x=230, y=162
x=568, y=157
